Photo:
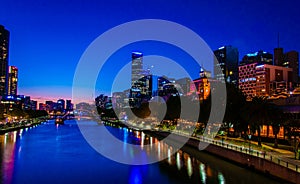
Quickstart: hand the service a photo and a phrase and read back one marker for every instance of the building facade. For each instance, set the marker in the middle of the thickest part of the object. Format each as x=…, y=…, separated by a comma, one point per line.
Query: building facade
x=227, y=61
x=12, y=80
x=136, y=67
x=201, y=86
x=264, y=80
x=4, y=50
x=290, y=60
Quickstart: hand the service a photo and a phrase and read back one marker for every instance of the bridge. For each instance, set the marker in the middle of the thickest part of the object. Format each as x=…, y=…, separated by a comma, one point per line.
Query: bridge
x=63, y=115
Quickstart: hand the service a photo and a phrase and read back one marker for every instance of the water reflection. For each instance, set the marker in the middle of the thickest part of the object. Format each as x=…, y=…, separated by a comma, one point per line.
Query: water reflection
x=66, y=150
x=194, y=169
x=8, y=146
x=187, y=166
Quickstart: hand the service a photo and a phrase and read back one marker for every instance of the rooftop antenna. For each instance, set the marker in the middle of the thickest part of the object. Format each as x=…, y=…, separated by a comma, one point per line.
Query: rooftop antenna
x=278, y=40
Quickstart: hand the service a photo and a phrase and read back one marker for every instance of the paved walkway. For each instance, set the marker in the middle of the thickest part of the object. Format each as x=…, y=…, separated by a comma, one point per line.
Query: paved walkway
x=280, y=156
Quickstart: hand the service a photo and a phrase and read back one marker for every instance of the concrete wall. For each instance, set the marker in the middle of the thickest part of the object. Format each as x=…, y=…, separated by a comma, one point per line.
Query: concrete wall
x=259, y=164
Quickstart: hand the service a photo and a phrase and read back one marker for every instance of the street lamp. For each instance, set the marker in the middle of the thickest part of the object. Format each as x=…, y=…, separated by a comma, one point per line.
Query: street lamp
x=249, y=136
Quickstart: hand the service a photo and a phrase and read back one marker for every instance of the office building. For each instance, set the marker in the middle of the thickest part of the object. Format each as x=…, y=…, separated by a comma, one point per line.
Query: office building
x=69, y=105
x=12, y=80
x=264, y=80
x=136, y=67
x=4, y=50
x=60, y=105
x=278, y=56
x=226, y=65
x=291, y=60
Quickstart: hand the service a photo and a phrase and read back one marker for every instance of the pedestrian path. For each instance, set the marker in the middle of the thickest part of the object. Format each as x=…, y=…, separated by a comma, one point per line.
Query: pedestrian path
x=280, y=156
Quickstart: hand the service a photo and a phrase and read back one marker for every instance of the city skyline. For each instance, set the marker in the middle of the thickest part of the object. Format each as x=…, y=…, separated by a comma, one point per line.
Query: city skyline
x=47, y=39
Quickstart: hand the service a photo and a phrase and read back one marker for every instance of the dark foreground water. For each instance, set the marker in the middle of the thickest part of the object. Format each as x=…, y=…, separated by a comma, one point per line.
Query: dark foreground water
x=59, y=154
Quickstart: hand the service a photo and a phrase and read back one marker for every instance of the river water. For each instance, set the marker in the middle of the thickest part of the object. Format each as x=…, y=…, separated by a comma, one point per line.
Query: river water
x=54, y=154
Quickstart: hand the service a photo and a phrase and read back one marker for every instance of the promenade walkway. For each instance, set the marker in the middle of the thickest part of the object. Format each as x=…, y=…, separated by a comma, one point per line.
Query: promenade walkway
x=279, y=156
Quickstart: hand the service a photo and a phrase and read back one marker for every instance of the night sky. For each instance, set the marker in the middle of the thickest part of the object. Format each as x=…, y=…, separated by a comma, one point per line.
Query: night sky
x=48, y=37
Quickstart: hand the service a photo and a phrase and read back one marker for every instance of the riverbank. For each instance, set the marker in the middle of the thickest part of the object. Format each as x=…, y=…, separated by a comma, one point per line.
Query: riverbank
x=254, y=162
x=19, y=126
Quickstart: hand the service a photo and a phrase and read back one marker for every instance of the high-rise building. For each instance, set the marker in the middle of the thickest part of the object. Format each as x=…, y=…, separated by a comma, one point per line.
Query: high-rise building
x=4, y=47
x=291, y=60
x=69, y=105
x=136, y=67
x=278, y=56
x=12, y=80
x=60, y=105
x=227, y=60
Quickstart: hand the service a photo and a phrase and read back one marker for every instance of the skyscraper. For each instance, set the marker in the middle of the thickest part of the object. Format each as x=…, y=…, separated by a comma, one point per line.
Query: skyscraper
x=278, y=56
x=60, y=105
x=291, y=60
x=227, y=61
x=136, y=67
x=4, y=47
x=12, y=80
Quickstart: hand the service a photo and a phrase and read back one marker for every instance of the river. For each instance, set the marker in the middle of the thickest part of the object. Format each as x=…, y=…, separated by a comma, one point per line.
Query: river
x=51, y=153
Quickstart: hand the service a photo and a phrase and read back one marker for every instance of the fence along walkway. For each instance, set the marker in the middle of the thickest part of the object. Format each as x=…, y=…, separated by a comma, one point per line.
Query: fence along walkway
x=278, y=156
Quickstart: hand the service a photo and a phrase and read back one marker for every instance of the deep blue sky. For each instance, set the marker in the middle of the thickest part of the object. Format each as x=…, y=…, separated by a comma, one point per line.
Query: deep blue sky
x=48, y=37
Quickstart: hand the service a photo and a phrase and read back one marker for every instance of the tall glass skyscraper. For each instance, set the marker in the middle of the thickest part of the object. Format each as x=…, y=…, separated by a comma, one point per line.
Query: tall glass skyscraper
x=4, y=46
x=136, y=67
x=227, y=60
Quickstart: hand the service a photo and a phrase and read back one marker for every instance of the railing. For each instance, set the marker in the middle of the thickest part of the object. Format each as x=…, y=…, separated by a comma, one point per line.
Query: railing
x=243, y=149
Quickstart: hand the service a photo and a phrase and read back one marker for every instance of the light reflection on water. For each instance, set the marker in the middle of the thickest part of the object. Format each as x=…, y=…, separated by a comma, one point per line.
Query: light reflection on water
x=51, y=149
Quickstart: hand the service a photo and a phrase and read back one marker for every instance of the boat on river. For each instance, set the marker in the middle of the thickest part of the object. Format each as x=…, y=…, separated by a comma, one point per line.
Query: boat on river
x=59, y=121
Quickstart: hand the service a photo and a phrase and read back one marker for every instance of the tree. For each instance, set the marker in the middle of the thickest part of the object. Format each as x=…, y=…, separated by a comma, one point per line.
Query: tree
x=278, y=119
x=259, y=113
x=236, y=100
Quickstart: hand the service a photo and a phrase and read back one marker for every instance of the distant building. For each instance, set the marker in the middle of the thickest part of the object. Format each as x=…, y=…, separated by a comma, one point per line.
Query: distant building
x=201, y=86
x=4, y=51
x=227, y=61
x=60, y=105
x=33, y=105
x=291, y=60
x=184, y=84
x=260, y=57
x=26, y=102
x=12, y=80
x=50, y=106
x=118, y=99
x=69, y=105
x=42, y=106
x=278, y=56
x=141, y=81
x=136, y=67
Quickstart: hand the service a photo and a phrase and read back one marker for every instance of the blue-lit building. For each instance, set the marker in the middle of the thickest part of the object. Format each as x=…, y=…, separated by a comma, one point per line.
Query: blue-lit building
x=226, y=65
x=69, y=105
x=260, y=57
x=60, y=105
